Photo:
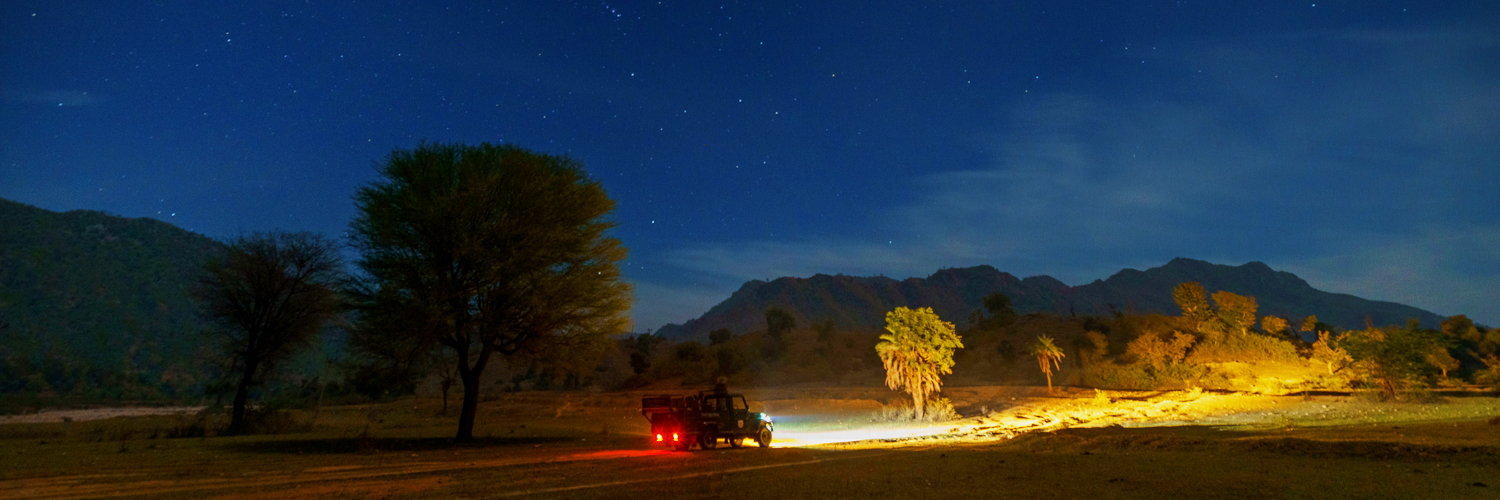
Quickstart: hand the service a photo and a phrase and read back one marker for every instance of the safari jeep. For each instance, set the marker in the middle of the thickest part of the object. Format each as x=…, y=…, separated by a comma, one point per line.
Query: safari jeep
x=705, y=419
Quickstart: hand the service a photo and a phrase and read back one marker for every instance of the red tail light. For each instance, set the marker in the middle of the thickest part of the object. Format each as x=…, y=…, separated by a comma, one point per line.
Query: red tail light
x=658, y=437
x=674, y=437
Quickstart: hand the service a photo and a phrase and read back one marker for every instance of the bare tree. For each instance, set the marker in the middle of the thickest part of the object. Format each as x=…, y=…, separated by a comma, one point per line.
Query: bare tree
x=270, y=294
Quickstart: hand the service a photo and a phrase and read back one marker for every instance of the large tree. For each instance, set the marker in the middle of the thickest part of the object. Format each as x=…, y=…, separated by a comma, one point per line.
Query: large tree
x=270, y=295
x=1393, y=357
x=917, y=350
x=484, y=250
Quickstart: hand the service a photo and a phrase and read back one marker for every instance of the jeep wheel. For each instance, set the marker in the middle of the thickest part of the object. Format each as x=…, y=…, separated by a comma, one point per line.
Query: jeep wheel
x=763, y=438
x=737, y=441
x=708, y=440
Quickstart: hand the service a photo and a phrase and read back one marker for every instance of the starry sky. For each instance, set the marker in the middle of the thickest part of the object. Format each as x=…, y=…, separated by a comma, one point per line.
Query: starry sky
x=1354, y=143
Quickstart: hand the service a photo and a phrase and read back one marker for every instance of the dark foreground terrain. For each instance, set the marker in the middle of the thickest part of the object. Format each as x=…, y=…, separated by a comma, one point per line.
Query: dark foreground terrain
x=573, y=446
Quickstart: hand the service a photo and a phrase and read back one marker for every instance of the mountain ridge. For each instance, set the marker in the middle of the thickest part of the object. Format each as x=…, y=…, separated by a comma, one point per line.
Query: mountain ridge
x=98, y=303
x=860, y=303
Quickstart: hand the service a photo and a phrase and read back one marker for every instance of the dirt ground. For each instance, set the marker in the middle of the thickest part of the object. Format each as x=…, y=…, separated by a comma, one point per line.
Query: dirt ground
x=1014, y=442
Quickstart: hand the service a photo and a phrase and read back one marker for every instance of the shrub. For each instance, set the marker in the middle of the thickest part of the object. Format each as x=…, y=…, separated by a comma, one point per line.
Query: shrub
x=937, y=410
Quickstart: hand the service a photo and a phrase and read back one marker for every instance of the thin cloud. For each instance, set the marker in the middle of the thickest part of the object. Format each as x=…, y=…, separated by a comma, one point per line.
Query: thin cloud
x=1448, y=270
x=1362, y=161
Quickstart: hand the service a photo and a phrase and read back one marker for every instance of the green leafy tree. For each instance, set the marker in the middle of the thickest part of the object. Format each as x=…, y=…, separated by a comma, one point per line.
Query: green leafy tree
x=485, y=250
x=1392, y=357
x=270, y=294
x=917, y=350
x=1048, y=355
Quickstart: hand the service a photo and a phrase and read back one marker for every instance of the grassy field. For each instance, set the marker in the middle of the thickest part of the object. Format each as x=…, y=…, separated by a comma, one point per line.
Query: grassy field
x=592, y=445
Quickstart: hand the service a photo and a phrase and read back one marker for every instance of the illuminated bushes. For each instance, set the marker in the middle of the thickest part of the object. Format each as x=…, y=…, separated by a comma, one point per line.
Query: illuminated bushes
x=1228, y=351
x=936, y=410
x=1490, y=375
x=1245, y=347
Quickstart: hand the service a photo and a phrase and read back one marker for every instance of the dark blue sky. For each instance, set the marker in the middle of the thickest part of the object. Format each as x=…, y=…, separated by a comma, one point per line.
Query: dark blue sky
x=1354, y=143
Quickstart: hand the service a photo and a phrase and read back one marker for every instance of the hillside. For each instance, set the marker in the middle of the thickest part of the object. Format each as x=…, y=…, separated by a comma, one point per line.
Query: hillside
x=97, y=304
x=860, y=303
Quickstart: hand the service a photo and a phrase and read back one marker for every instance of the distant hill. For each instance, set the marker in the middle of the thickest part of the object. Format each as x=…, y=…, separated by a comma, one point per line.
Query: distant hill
x=97, y=304
x=857, y=303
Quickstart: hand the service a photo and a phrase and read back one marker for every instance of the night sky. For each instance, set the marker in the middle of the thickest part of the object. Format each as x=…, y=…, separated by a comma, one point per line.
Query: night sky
x=1354, y=143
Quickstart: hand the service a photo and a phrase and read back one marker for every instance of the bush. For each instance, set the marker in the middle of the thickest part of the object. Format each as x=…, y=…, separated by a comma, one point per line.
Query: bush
x=937, y=410
x=1113, y=376
x=1243, y=347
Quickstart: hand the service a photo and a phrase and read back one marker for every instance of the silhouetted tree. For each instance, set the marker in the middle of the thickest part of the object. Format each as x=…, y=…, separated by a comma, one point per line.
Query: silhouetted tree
x=269, y=294
x=1001, y=312
x=719, y=336
x=645, y=342
x=639, y=363
x=778, y=322
x=383, y=356
x=917, y=350
x=490, y=249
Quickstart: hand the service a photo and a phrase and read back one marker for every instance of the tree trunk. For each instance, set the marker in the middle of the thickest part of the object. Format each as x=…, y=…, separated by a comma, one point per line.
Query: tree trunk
x=237, y=424
x=470, y=376
x=470, y=405
x=447, y=384
x=917, y=403
x=1049, y=382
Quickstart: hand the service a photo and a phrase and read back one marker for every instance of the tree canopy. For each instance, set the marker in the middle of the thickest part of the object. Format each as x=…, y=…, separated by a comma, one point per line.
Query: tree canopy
x=270, y=294
x=779, y=321
x=488, y=249
x=1048, y=356
x=917, y=350
x=1393, y=358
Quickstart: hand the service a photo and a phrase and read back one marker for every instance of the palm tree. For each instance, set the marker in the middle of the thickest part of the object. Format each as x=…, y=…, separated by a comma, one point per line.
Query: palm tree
x=917, y=350
x=1048, y=355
